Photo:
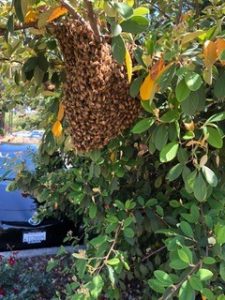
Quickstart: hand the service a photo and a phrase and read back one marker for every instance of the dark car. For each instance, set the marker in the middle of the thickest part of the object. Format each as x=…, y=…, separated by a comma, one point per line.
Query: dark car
x=19, y=225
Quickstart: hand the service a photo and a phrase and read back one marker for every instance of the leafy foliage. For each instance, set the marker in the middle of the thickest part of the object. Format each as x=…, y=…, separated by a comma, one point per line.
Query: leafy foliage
x=152, y=201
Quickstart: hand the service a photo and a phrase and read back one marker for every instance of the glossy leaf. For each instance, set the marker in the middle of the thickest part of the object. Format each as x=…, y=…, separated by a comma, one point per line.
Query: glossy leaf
x=148, y=89
x=57, y=129
x=210, y=176
x=135, y=25
x=182, y=91
x=193, y=81
x=142, y=125
x=169, y=152
x=215, y=137
x=118, y=49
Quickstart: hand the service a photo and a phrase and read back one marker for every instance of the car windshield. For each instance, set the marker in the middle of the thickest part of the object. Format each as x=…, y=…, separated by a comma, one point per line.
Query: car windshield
x=13, y=155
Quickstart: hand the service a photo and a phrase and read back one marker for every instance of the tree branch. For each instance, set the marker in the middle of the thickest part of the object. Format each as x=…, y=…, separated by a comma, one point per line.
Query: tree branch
x=19, y=27
x=72, y=11
x=92, y=19
x=179, y=14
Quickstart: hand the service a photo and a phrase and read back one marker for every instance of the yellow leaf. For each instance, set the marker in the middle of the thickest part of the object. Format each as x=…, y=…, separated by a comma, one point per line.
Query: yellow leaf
x=209, y=53
x=31, y=16
x=130, y=3
x=57, y=129
x=148, y=88
x=57, y=12
x=190, y=36
x=61, y=112
x=128, y=61
x=204, y=298
x=220, y=47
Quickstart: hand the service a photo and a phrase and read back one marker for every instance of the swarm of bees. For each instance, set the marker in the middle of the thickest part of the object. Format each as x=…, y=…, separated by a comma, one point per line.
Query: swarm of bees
x=96, y=90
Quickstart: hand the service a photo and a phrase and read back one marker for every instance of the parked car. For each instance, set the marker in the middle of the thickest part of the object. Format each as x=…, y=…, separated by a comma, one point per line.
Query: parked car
x=19, y=226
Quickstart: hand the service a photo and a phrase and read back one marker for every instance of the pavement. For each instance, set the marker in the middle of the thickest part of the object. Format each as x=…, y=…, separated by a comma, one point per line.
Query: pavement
x=41, y=251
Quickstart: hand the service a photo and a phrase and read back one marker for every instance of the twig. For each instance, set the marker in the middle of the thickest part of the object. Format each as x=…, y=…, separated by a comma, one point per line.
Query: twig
x=10, y=60
x=72, y=11
x=154, y=252
x=111, y=248
x=19, y=27
x=179, y=14
x=177, y=286
x=92, y=19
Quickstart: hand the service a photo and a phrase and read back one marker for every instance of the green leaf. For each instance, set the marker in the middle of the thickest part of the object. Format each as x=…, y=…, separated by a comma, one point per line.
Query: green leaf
x=186, y=292
x=135, y=87
x=169, y=152
x=18, y=10
x=156, y=286
x=10, y=24
x=216, y=117
x=208, y=294
x=30, y=64
x=178, y=264
x=222, y=270
x=135, y=25
x=186, y=228
x=174, y=172
x=195, y=283
x=114, y=261
x=163, y=278
x=219, y=87
x=185, y=254
x=97, y=284
x=204, y=274
x=165, y=79
x=170, y=116
x=200, y=188
x=128, y=232
x=111, y=275
x=193, y=81
x=160, y=136
x=215, y=137
x=210, y=176
x=209, y=260
x=98, y=241
x=142, y=125
x=92, y=210
x=182, y=91
x=118, y=49
x=220, y=234
x=124, y=10
x=194, y=102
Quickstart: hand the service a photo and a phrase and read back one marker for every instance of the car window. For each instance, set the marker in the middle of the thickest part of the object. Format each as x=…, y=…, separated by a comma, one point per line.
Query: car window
x=13, y=155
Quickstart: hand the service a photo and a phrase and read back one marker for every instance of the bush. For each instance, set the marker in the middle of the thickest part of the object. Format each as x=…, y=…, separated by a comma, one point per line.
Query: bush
x=152, y=201
x=17, y=281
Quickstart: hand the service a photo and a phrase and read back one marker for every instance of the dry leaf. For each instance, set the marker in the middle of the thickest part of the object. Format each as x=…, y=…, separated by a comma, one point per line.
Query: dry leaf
x=57, y=129
x=148, y=88
x=210, y=53
x=157, y=69
x=220, y=47
x=31, y=16
x=61, y=112
x=57, y=12
x=128, y=62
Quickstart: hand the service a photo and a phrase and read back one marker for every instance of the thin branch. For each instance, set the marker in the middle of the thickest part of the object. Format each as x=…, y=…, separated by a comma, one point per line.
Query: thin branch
x=92, y=19
x=179, y=14
x=10, y=60
x=19, y=27
x=154, y=252
x=72, y=11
